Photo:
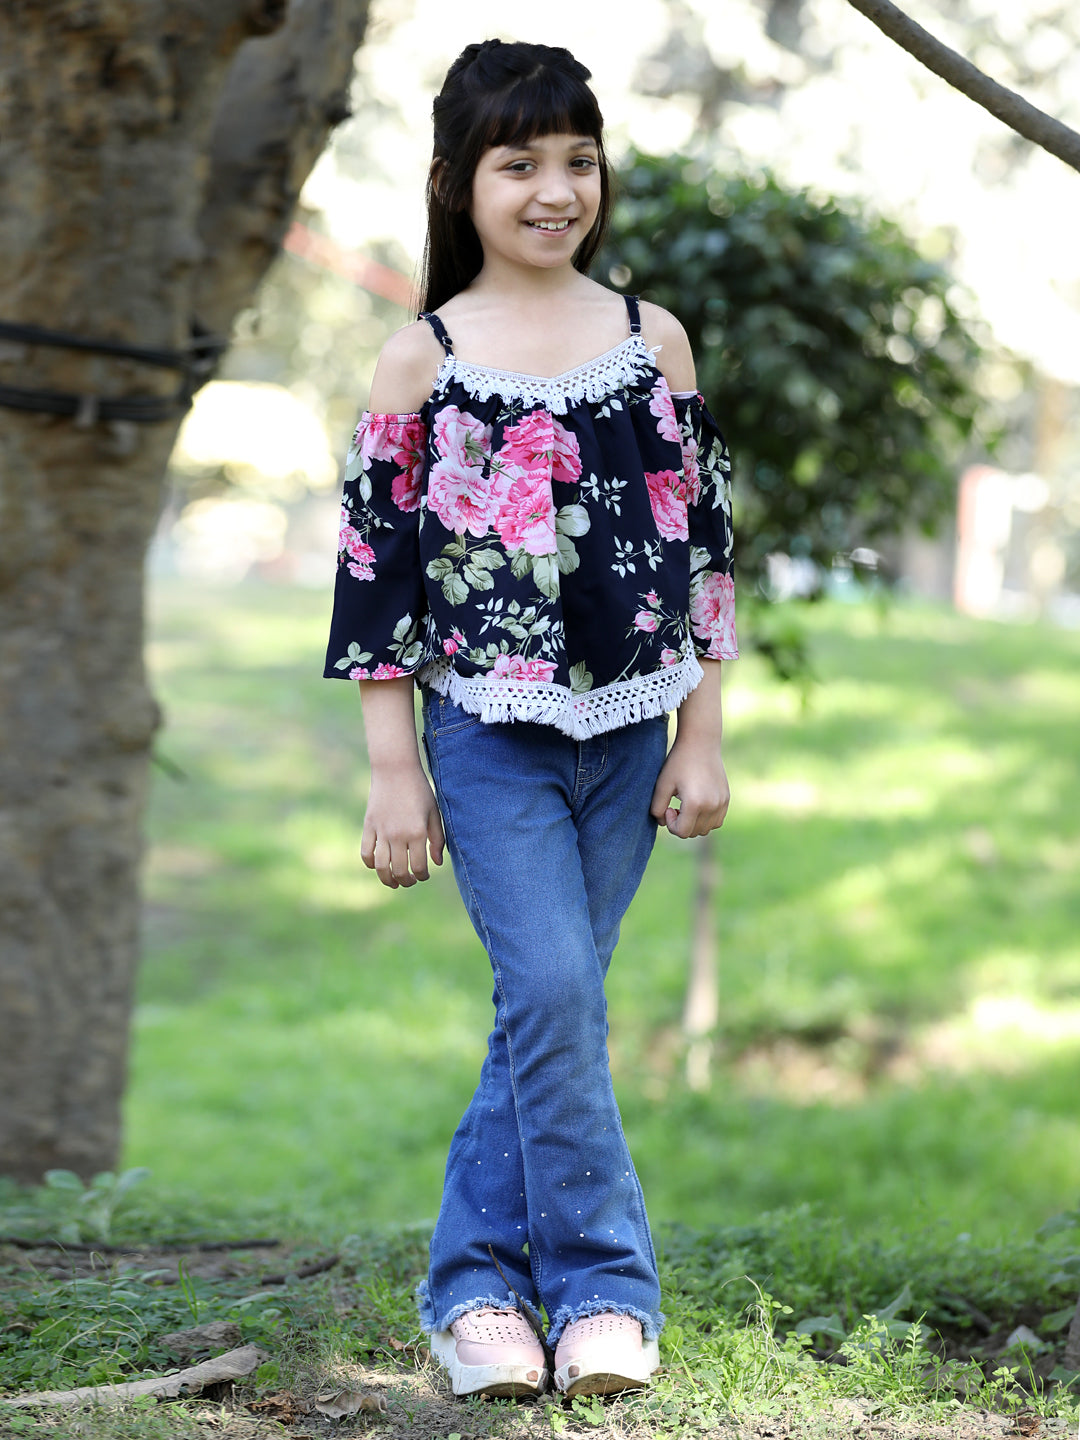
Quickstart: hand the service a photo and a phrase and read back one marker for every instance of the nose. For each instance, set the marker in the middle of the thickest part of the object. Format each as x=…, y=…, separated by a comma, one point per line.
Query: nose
x=555, y=188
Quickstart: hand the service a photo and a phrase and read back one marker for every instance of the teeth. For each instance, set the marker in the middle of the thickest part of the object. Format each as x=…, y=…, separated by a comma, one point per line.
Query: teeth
x=549, y=224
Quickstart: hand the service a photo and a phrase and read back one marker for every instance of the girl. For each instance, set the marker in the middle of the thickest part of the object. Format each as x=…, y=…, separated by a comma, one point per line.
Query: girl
x=536, y=528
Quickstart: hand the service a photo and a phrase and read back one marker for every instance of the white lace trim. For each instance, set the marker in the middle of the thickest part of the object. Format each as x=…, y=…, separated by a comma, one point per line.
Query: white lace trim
x=593, y=382
x=626, y=702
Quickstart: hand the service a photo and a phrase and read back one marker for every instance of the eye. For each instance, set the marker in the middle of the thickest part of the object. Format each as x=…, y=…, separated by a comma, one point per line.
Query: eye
x=519, y=167
x=583, y=163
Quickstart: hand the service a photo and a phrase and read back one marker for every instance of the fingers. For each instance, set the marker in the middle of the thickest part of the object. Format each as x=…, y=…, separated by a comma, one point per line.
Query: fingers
x=688, y=817
x=400, y=861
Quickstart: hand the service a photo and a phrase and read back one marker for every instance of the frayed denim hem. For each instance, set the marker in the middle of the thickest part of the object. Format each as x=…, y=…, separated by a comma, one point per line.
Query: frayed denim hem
x=651, y=1322
x=429, y=1320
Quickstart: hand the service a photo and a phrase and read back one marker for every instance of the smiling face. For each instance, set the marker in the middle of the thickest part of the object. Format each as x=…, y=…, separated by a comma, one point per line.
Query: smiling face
x=533, y=204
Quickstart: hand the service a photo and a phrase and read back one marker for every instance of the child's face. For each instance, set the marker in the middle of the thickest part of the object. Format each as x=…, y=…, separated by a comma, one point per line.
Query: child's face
x=533, y=205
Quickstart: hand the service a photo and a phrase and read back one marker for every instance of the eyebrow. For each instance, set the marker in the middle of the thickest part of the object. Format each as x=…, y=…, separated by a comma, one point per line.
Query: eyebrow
x=574, y=142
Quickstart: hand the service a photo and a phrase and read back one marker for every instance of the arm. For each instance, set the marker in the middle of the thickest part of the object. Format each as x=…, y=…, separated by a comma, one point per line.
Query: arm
x=694, y=770
x=402, y=819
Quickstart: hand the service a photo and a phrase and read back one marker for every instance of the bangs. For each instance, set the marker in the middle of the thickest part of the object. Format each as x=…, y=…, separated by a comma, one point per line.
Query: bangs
x=544, y=103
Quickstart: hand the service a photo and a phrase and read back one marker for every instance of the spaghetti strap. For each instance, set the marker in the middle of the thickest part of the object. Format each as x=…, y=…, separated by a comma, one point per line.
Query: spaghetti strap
x=439, y=328
x=634, y=313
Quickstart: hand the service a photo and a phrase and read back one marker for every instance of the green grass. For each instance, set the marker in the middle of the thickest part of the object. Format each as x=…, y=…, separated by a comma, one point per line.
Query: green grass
x=898, y=932
x=892, y=1110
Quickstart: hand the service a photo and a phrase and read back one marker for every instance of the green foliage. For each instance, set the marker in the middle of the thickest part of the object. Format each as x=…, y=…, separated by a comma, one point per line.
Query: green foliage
x=833, y=353
x=85, y=1212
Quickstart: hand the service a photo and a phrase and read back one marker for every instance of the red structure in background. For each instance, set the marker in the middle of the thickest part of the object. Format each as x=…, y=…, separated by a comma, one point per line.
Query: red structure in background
x=320, y=250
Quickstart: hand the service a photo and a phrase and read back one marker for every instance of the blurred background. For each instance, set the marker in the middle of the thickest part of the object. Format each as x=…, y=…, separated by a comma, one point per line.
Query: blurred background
x=892, y=913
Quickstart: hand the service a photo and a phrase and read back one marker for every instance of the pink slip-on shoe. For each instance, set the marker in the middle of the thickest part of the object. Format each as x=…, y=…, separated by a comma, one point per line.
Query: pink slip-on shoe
x=491, y=1352
x=603, y=1354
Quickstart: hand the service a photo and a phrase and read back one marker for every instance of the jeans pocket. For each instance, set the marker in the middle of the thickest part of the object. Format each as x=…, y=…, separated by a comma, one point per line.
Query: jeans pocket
x=446, y=717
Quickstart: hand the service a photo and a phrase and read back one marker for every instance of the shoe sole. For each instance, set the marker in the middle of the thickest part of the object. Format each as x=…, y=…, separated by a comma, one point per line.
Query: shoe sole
x=499, y=1381
x=601, y=1381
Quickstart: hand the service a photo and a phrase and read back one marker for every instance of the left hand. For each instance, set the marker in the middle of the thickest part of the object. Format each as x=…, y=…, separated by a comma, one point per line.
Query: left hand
x=694, y=774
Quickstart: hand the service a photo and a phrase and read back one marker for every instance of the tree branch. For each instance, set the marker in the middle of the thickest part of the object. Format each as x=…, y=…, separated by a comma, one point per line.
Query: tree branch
x=1033, y=124
x=283, y=96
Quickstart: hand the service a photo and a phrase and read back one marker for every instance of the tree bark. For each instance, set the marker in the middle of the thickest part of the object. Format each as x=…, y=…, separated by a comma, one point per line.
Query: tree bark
x=124, y=126
x=1016, y=112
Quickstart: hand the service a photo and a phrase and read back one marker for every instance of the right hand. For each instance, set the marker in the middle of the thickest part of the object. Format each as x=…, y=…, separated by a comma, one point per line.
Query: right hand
x=401, y=823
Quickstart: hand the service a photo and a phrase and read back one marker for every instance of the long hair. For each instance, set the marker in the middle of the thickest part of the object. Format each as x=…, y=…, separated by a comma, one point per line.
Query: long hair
x=499, y=94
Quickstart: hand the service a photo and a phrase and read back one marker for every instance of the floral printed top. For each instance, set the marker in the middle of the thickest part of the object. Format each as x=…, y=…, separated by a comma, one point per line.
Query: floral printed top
x=548, y=549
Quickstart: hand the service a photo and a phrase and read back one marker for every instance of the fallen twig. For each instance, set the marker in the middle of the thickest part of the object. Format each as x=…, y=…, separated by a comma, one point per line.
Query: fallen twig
x=302, y=1272
x=233, y=1365
x=81, y=1247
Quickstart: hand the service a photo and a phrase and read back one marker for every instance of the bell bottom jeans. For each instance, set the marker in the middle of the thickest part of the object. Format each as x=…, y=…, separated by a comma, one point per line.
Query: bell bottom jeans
x=549, y=838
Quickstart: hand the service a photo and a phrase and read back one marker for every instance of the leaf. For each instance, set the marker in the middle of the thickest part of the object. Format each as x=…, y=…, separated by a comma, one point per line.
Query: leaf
x=135, y=1176
x=520, y=564
x=413, y=654
x=580, y=678
x=63, y=1180
x=478, y=578
x=439, y=568
x=902, y=1301
x=822, y=1325
x=403, y=629
x=700, y=559
x=488, y=558
x=455, y=590
x=546, y=574
x=568, y=559
x=339, y=1404
x=572, y=520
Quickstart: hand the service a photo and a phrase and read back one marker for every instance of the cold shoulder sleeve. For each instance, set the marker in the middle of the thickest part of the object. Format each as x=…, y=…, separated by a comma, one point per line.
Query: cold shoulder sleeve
x=707, y=468
x=379, y=607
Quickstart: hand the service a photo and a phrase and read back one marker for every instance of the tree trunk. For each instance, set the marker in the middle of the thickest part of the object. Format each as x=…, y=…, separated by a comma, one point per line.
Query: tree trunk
x=133, y=191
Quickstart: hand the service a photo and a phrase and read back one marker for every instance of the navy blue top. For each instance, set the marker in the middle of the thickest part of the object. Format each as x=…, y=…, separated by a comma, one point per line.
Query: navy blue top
x=555, y=549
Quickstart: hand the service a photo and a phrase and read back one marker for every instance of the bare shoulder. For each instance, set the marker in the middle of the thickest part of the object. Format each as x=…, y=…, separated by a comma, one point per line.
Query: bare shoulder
x=675, y=359
x=406, y=371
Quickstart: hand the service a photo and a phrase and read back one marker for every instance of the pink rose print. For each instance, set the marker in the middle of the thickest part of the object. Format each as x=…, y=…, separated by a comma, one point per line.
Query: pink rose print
x=690, y=469
x=361, y=555
x=461, y=496
x=409, y=457
x=454, y=644
x=388, y=672
x=652, y=598
x=377, y=437
x=662, y=406
x=526, y=516
x=712, y=615
x=539, y=441
x=455, y=429
x=359, y=672
x=667, y=496
x=645, y=620
x=670, y=657
x=516, y=667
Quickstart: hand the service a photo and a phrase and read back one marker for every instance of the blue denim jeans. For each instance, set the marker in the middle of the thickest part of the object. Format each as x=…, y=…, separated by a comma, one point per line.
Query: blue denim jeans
x=549, y=838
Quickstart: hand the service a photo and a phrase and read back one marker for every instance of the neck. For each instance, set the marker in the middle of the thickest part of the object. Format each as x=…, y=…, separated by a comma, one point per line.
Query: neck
x=526, y=285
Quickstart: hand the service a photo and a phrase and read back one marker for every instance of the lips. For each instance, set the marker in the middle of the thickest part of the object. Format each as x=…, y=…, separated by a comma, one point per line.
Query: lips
x=550, y=227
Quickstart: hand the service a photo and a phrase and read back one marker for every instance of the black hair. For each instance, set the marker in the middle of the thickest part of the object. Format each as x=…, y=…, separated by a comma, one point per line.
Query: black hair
x=498, y=93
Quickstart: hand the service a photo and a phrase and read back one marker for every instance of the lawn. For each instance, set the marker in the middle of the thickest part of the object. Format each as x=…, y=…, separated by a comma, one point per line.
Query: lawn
x=898, y=926
x=892, y=1110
